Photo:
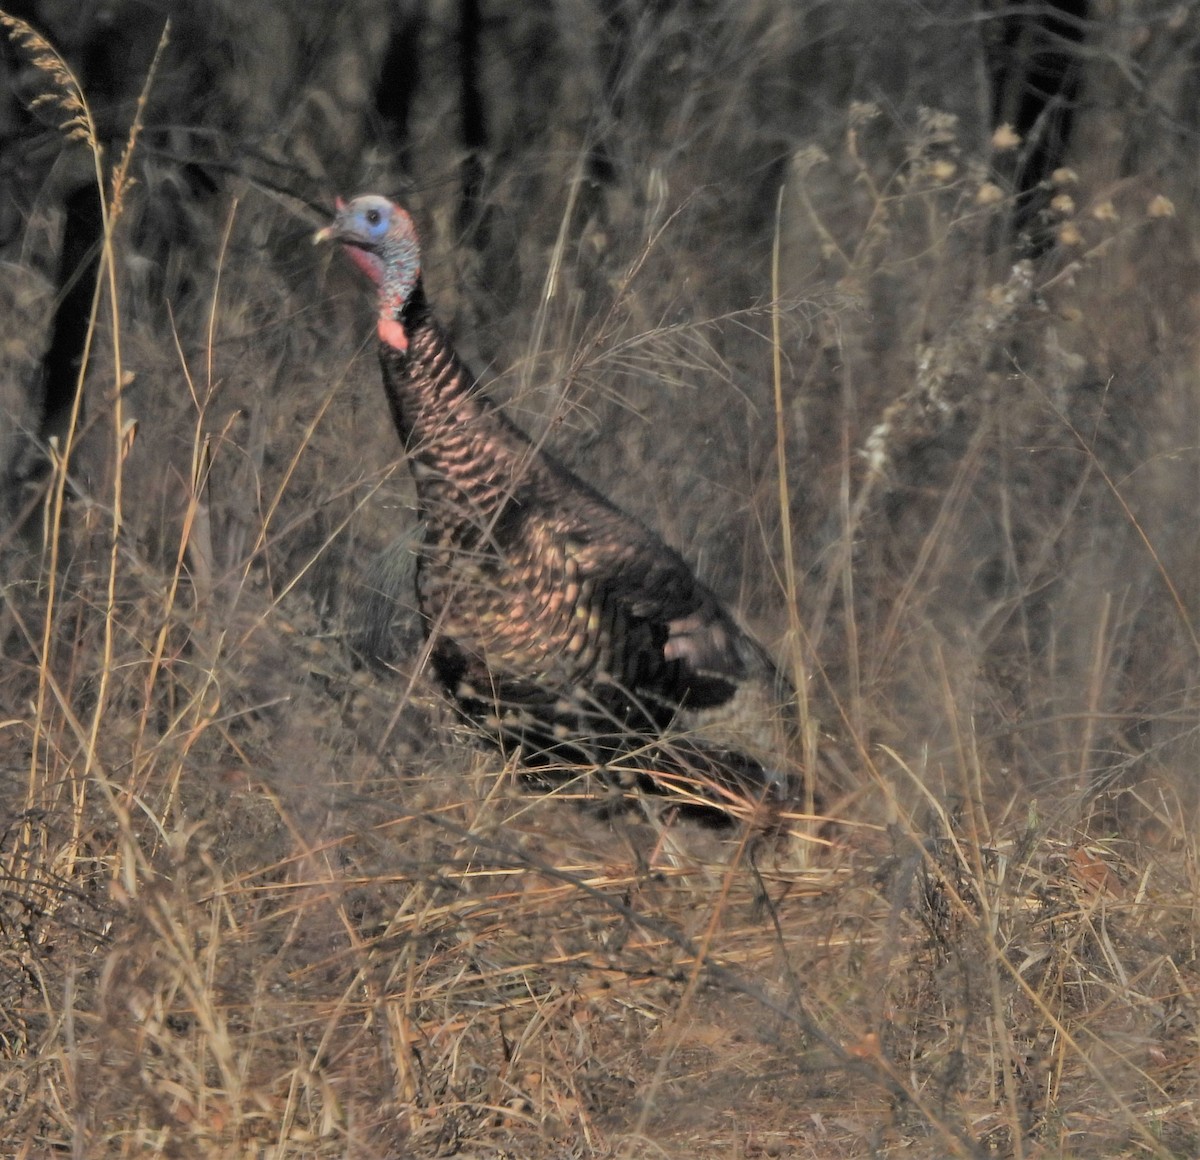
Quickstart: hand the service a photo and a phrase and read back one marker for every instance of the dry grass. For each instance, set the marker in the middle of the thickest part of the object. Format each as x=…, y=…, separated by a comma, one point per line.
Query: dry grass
x=257, y=902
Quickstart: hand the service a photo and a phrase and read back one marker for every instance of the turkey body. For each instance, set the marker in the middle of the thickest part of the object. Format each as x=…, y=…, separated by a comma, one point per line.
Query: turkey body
x=559, y=624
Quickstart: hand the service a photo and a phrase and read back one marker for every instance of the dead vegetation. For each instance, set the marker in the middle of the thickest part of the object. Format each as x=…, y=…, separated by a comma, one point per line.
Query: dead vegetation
x=255, y=901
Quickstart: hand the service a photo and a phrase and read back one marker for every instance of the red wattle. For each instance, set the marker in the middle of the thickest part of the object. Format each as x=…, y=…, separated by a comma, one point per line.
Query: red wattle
x=392, y=332
x=368, y=263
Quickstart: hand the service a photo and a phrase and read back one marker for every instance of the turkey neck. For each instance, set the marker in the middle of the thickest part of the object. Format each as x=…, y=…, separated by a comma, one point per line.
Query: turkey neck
x=459, y=446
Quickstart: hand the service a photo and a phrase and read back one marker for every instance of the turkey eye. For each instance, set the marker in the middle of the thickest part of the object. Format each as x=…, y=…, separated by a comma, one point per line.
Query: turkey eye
x=373, y=217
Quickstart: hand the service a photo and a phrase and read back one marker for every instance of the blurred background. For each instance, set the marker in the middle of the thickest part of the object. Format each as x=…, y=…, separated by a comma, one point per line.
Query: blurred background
x=965, y=228
x=990, y=472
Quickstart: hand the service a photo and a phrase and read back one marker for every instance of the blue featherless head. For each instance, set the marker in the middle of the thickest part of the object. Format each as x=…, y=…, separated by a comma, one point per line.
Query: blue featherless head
x=382, y=240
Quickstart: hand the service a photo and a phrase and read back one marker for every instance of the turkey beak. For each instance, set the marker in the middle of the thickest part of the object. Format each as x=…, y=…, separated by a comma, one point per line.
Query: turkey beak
x=329, y=232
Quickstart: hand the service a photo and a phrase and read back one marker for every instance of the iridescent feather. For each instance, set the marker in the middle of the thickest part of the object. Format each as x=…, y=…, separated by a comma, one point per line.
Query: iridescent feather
x=560, y=624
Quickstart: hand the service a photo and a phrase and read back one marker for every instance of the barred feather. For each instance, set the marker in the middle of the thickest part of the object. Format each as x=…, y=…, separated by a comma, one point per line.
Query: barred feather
x=560, y=624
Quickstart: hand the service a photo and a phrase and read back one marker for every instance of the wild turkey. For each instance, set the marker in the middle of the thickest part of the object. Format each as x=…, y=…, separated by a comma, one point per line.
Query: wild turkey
x=560, y=624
